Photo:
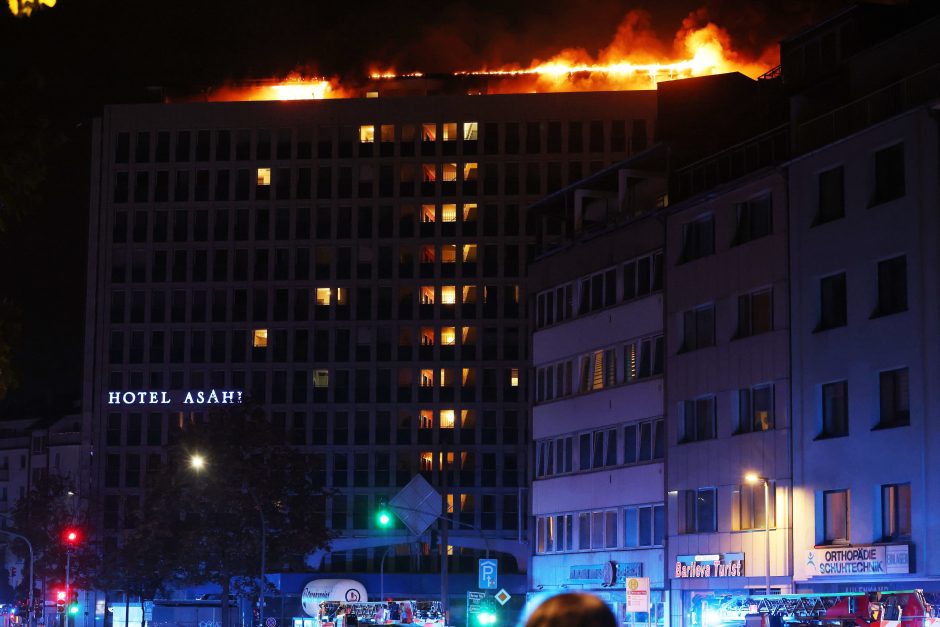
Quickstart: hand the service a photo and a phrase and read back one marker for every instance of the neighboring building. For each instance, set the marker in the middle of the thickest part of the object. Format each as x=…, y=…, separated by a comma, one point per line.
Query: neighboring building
x=865, y=342
x=356, y=267
x=595, y=293
x=727, y=391
x=29, y=450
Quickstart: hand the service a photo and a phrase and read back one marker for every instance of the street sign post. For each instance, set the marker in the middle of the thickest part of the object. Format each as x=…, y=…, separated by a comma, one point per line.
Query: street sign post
x=488, y=574
x=638, y=594
x=474, y=600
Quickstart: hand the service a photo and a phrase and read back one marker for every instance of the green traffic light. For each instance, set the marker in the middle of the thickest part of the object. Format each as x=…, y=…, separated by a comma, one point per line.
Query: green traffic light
x=73, y=609
x=384, y=519
x=486, y=618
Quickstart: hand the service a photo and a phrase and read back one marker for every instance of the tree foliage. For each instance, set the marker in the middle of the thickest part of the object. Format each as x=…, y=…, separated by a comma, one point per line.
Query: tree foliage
x=43, y=515
x=202, y=526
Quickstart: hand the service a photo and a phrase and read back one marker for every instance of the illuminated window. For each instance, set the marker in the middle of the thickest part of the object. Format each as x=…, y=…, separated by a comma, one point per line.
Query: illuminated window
x=449, y=213
x=426, y=419
x=470, y=212
x=387, y=133
x=468, y=377
x=449, y=173
x=448, y=294
x=264, y=177
x=427, y=254
x=427, y=377
x=340, y=294
x=468, y=336
x=447, y=377
x=323, y=295
x=260, y=338
x=428, y=213
x=321, y=378
x=514, y=377
x=449, y=253
x=428, y=132
x=428, y=172
x=448, y=336
x=447, y=418
x=515, y=294
x=427, y=336
x=427, y=294
x=469, y=253
x=426, y=461
x=470, y=131
x=470, y=171
x=469, y=294
x=366, y=134
x=468, y=418
x=450, y=131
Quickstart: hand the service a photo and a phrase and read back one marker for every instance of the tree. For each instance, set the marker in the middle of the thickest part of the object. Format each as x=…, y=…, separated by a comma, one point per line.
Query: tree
x=202, y=523
x=43, y=515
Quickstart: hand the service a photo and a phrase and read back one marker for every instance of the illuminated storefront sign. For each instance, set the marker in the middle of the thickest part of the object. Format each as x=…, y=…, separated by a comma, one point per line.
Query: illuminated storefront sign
x=162, y=397
x=883, y=559
x=606, y=574
x=705, y=566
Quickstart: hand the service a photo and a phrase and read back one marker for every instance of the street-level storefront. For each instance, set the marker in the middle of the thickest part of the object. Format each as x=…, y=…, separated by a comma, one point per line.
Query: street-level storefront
x=859, y=568
x=700, y=582
x=608, y=580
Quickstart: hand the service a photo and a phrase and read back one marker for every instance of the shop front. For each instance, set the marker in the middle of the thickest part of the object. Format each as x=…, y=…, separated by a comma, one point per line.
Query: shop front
x=859, y=568
x=702, y=583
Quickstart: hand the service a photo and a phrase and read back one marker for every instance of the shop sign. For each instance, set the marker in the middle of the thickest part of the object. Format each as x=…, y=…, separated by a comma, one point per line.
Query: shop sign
x=163, y=397
x=707, y=566
x=606, y=574
x=885, y=559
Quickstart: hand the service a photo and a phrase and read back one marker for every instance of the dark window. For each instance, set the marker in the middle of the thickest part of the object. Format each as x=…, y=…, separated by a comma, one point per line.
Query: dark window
x=896, y=511
x=700, y=511
x=698, y=328
x=698, y=239
x=831, y=195
x=698, y=420
x=836, y=517
x=892, y=286
x=755, y=219
x=894, y=398
x=832, y=302
x=889, y=174
x=755, y=313
x=835, y=409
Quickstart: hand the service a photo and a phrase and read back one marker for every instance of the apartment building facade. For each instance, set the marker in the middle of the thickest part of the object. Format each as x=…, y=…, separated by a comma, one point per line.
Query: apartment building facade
x=727, y=393
x=356, y=268
x=597, y=422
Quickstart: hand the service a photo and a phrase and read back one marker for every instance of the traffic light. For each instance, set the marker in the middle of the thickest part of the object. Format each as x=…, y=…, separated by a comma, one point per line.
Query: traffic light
x=487, y=613
x=383, y=516
x=71, y=537
x=60, y=597
x=73, y=604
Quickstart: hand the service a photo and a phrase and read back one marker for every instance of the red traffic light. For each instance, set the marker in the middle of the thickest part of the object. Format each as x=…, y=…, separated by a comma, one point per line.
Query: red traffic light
x=71, y=536
x=60, y=595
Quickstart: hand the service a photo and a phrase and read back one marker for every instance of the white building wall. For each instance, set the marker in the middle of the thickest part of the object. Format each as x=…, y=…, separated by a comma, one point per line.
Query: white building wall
x=867, y=458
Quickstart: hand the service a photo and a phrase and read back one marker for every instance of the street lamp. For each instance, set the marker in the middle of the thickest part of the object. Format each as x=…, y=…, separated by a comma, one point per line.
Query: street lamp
x=755, y=478
x=197, y=462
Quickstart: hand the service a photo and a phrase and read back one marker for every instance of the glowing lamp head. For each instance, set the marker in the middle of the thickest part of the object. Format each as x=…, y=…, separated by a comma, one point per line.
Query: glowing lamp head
x=752, y=477
x=197, y=462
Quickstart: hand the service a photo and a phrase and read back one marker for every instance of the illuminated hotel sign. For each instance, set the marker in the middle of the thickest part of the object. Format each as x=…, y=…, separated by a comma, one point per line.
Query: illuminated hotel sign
x=885, y=559
x=606, y=574
x=192, y=397
x=706, y=566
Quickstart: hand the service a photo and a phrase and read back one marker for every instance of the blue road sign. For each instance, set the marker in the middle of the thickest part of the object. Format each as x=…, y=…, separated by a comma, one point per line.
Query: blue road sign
x=487, y=576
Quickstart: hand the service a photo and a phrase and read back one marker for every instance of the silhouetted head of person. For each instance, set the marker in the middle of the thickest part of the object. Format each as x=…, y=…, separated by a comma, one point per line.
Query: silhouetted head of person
x=572, y=609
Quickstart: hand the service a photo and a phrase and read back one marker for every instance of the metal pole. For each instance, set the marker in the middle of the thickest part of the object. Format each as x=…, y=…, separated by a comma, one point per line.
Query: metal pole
x=68, y=589
x=767, y=529
x=382, y=573
x=261, y=582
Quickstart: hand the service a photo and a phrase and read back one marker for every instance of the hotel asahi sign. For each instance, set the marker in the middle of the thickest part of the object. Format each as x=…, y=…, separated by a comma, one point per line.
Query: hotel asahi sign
x=163, y=397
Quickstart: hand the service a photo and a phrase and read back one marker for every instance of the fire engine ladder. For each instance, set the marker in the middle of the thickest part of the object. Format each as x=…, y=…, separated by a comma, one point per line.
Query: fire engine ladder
x=796, y=605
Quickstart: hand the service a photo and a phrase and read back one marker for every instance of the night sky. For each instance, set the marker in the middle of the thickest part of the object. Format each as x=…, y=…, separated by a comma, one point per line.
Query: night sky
x=59, y=66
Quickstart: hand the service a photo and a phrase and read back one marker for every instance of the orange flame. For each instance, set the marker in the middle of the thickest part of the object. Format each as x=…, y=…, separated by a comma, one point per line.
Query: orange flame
x=295, y=87
x=634, y=59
